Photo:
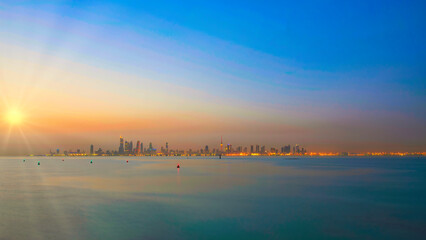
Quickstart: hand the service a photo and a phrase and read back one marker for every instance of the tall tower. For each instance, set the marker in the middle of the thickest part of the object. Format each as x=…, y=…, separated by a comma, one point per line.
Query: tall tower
x=221, y=144
x=126, y=147
x=167, y=147
x=121, y=148
x=138, y=147
x=91, y=149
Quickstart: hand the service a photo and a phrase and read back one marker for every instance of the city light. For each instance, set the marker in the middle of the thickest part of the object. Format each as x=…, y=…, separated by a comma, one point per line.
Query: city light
x=126, y=148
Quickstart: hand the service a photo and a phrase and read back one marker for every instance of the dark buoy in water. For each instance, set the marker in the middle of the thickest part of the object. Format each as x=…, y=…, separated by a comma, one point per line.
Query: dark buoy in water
x=38, y=163
x=24, y=160
x=62, y=160
x=91, y=161
x=220, y=156
x=127, y=161
x=178, y=166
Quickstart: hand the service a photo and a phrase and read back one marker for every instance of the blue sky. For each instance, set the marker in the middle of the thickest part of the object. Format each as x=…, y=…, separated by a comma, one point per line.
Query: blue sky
x=297, y=65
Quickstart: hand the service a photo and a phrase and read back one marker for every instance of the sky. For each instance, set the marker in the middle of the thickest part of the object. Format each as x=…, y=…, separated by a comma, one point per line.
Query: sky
x=328, y=75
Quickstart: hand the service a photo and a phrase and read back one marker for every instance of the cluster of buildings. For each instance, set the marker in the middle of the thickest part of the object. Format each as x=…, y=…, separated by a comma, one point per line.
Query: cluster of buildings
x=129, y=148
x=262, y=150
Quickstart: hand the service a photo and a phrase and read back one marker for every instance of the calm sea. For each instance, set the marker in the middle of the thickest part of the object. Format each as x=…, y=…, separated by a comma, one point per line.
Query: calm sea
x=208, y=198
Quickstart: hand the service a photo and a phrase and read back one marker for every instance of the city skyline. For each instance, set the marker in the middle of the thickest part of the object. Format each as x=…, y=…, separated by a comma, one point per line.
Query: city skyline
x=126, y=148
x=73, y=74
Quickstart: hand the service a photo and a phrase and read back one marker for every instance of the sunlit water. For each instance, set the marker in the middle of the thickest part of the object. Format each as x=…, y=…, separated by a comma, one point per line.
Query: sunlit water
x=208, y=198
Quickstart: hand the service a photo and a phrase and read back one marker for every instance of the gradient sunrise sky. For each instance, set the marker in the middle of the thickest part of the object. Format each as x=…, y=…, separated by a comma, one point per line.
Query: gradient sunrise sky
x=329, y=75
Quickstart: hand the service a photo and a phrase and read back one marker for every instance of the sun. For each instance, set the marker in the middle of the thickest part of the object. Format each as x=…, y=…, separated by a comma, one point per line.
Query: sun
x=14, y=117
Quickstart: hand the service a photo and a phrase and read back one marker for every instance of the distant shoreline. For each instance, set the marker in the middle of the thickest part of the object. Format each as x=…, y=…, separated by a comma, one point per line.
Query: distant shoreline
x=225, y=156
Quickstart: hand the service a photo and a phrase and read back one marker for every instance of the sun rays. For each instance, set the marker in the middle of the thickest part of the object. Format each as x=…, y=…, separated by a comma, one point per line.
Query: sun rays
x=13, y=123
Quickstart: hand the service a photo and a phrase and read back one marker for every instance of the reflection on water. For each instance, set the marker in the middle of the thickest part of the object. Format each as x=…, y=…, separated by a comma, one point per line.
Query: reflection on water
x=253, y=198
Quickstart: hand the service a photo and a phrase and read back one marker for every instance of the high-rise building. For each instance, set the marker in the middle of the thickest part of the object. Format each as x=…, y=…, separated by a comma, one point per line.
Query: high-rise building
x=206, y=149
x=126, y=147
x=131, y=147
x=257, y=148
x=142, y=150
x=221, y=144
x=138, y=147
x=251, y=149
x=262, y=149
x=167, y=147
x=121, y=148
x=91, y=149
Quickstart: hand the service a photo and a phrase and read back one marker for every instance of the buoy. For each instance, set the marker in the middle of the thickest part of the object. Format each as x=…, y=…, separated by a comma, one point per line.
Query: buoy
x=62, y=160
x=127, y=161
x=24, y=160
x=178, y=166
x=38, y=163
x=91, y=161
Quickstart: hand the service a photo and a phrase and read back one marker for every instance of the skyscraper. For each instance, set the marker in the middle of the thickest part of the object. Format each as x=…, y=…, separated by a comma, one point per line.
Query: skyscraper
x=251, y=149
x=131, y=147
x=126, y=147
x=121, y=148
x=91, y=149
x=138, y=147
x=257, y=148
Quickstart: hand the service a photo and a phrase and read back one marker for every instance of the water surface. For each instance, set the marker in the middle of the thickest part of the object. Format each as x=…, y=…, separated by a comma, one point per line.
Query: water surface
x=208, y=198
